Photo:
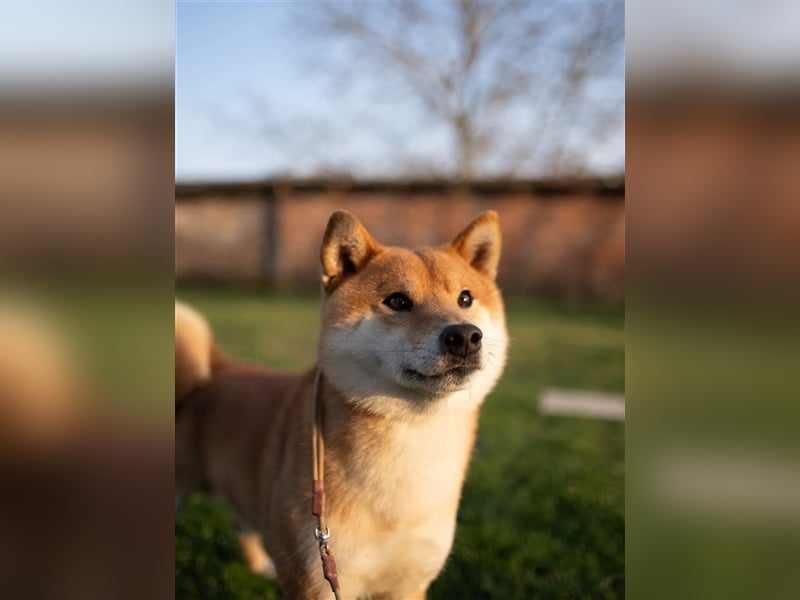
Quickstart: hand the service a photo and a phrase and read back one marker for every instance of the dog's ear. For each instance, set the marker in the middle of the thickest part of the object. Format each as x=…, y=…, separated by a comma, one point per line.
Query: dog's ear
x=479, y=243
x=346, y=249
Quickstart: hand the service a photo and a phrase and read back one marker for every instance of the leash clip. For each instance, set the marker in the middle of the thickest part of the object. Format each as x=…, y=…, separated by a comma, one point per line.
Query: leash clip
x=322, y=536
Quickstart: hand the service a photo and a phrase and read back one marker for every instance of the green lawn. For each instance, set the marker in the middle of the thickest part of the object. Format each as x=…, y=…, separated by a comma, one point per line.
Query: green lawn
x=542, y=514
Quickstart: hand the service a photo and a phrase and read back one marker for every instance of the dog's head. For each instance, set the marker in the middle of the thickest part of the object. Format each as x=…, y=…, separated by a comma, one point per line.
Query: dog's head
x=414, y=325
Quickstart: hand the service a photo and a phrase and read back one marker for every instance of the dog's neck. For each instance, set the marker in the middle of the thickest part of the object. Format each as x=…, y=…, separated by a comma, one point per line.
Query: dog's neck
x=420, y=456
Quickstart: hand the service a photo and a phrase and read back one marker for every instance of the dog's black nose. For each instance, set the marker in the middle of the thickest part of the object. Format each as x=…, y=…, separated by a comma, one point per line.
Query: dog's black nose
x=461, y=340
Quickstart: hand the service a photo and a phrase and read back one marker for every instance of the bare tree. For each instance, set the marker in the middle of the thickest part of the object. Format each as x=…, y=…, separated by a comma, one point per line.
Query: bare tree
x=513, y=81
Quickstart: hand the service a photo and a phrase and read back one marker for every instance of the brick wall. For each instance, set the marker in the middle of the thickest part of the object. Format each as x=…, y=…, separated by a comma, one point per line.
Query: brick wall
x=565, y=241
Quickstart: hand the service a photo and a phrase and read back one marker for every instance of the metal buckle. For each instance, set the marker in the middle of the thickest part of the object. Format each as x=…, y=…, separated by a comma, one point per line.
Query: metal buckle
x=322, y=537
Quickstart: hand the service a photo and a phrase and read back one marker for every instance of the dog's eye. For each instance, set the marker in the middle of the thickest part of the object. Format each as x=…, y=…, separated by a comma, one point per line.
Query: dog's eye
x=465, y=299
x=398, y=301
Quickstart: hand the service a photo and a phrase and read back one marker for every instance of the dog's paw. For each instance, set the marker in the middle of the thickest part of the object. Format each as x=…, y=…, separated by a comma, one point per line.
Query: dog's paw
x=265, y=569
x=255, y=556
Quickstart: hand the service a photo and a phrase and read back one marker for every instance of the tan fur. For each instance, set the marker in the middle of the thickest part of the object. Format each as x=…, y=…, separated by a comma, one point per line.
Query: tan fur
x=193, y=349
x=40, y=389
x=254, y=555
x=397, y=450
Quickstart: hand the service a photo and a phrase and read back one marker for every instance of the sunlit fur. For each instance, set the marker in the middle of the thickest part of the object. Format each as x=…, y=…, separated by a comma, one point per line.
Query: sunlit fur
x=400, y=415
x=41, y=389
x=193, y=357
x=371, y=347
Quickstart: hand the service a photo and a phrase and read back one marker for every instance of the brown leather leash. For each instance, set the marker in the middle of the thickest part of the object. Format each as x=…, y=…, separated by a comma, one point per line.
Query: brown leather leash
x=322, y=532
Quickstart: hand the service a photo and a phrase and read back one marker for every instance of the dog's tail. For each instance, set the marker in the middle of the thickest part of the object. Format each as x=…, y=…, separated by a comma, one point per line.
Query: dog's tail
x=196, y=355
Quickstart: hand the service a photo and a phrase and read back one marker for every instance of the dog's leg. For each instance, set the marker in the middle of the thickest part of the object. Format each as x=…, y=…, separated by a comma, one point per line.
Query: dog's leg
x=254, y=554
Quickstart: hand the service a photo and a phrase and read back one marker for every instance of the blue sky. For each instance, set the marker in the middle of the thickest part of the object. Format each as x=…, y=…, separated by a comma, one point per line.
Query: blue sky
x=239, y=61
x=251, y=102
x=238, y=65
x=223, y=53
x=53, y=43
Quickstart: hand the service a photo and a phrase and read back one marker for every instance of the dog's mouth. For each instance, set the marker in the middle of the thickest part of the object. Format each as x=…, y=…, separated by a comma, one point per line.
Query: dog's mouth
x=456, y=374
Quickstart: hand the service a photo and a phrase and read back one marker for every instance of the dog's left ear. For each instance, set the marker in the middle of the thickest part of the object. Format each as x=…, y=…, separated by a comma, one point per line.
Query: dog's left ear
x=479, y=243
x=346, y=249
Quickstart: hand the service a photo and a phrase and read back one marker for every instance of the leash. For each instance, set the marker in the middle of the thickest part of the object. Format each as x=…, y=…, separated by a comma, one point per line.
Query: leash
x=322, y=532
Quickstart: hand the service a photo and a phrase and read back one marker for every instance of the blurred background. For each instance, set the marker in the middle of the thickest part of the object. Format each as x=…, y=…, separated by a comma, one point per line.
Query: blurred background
x=416, y=116
x=86, y=190
x=712, y=150
x=399, y=89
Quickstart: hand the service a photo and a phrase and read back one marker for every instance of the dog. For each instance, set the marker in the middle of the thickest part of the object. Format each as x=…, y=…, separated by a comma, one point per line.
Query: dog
x=411, y=343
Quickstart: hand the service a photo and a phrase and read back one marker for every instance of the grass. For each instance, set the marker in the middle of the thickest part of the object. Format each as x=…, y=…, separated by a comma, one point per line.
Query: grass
x=542, y=513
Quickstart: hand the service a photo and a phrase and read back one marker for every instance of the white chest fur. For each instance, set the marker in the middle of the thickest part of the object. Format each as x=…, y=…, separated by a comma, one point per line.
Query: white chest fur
x=404, y=486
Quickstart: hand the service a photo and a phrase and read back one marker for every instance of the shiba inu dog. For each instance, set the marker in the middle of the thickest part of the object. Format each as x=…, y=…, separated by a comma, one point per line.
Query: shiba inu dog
x=410, y=345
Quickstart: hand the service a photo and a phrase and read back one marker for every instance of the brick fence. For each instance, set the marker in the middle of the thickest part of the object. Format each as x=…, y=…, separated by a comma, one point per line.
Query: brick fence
x=560, y=240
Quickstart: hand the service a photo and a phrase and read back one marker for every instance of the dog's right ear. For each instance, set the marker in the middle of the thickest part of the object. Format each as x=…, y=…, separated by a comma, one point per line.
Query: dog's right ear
x=346, y=249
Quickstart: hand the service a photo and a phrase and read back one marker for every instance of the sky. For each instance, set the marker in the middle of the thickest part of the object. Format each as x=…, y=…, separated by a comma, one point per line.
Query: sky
x=223, y=55
x=53, y=43
x=245, y=69
x=246, y=77
x=747, y=39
